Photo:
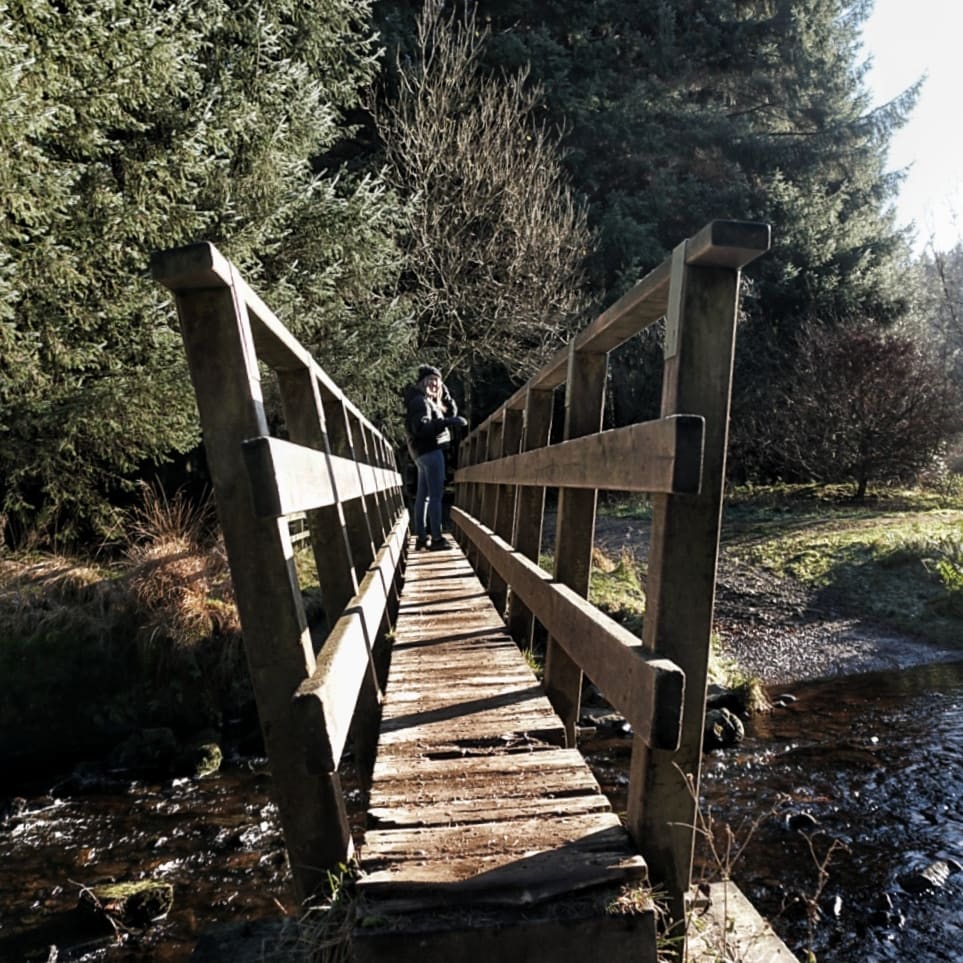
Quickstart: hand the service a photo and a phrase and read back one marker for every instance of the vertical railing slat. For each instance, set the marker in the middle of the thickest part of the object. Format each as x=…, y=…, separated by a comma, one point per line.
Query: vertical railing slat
x=358, y=524
x=504, y=515
x=575, y=526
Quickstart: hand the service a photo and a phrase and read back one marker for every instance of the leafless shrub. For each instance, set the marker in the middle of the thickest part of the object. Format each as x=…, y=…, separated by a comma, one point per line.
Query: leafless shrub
x=496, y=237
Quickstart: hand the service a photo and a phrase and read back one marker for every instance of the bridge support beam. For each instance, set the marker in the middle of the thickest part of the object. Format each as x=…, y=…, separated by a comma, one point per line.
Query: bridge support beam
x=280, y=654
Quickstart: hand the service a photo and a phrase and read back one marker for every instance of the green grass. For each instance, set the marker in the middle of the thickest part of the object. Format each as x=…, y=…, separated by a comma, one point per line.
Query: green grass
x=616, y=588
x=625, y=506
x=896, y=559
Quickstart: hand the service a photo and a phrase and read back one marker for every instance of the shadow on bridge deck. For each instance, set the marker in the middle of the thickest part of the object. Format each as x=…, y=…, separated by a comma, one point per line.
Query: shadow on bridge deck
x=486, y=835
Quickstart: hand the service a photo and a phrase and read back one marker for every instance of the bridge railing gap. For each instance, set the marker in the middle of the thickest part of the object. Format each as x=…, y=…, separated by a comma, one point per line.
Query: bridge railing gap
x=659, y=681
x=315, y=690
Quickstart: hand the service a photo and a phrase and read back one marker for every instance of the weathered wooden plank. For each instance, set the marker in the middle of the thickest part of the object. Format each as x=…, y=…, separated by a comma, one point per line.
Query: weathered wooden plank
x=513, y=786
x=654, y=456
x=587, y=832
x=728, y=244
x=422, y=690
x=306, y=424
x=287, y=478
x=459, y=733
x=491, y=863
x=396, y=814
x=420, y=678
x=490, y=770
x=503, y=515
x=332, y=689
x=647, y=690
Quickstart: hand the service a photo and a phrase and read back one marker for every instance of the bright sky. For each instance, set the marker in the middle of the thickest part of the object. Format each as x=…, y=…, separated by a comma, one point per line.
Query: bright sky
x=905, y=41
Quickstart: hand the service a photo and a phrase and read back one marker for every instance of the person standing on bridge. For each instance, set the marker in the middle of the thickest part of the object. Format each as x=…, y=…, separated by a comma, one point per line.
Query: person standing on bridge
x=431, y=414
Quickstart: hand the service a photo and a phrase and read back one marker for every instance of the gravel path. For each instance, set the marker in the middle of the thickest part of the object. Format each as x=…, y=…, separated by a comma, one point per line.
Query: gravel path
x=770, y=627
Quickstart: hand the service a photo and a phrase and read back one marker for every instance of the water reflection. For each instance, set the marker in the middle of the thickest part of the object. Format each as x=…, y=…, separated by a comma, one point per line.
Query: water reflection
x=875, y=760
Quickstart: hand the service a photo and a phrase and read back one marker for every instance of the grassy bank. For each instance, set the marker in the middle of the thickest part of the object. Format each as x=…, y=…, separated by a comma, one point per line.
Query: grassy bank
x=143, y=636
x=895, y=560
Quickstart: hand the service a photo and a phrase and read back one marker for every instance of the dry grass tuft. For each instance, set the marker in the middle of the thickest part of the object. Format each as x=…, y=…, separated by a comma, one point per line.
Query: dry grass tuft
x=178, y=572
x=602, y=562
x=54, y=595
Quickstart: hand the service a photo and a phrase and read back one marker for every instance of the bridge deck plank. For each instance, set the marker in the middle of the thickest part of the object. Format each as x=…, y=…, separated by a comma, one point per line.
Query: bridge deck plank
x=474, y=799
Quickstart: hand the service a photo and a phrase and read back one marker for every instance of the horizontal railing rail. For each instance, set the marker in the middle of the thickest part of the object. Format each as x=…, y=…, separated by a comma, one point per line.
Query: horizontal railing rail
x=647, y=690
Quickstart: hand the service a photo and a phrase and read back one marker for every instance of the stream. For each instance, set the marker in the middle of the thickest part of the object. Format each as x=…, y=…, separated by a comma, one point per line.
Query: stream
x=871, y=766
x=217, y=840
x=861, y=774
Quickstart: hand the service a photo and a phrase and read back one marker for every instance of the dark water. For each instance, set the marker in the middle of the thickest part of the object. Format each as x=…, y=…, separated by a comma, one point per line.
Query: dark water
x=871, y=765
x=876, y=761
x=216, y=840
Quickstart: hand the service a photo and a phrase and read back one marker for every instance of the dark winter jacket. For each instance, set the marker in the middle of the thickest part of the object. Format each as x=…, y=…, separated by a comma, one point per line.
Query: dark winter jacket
x=426, y=423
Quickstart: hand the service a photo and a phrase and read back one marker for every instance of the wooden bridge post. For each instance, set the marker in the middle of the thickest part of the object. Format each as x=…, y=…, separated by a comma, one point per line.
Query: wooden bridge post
x=575, y=525
x=530, y=506
x=479, y=453
x=221, y=357
x=486, y=508
x=463, y=490
x=680, y=589
x=306, y=425
x=382, y=513
x=503, y=515
x=357, y=514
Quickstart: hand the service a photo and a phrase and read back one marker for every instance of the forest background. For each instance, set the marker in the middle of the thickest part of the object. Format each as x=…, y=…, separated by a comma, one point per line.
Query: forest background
x=459, y=186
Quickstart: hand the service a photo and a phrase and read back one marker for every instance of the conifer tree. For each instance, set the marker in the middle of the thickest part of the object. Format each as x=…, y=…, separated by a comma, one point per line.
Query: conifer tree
x=129, y=126
x=678, y=113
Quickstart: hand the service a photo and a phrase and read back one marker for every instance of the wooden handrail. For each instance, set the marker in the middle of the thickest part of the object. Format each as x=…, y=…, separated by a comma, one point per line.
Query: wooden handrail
x=679, y=459
x=335, y=467
x=654, y=456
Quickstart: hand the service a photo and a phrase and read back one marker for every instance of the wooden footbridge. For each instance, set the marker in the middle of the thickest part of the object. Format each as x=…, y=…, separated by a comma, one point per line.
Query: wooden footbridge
x=486, y=832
